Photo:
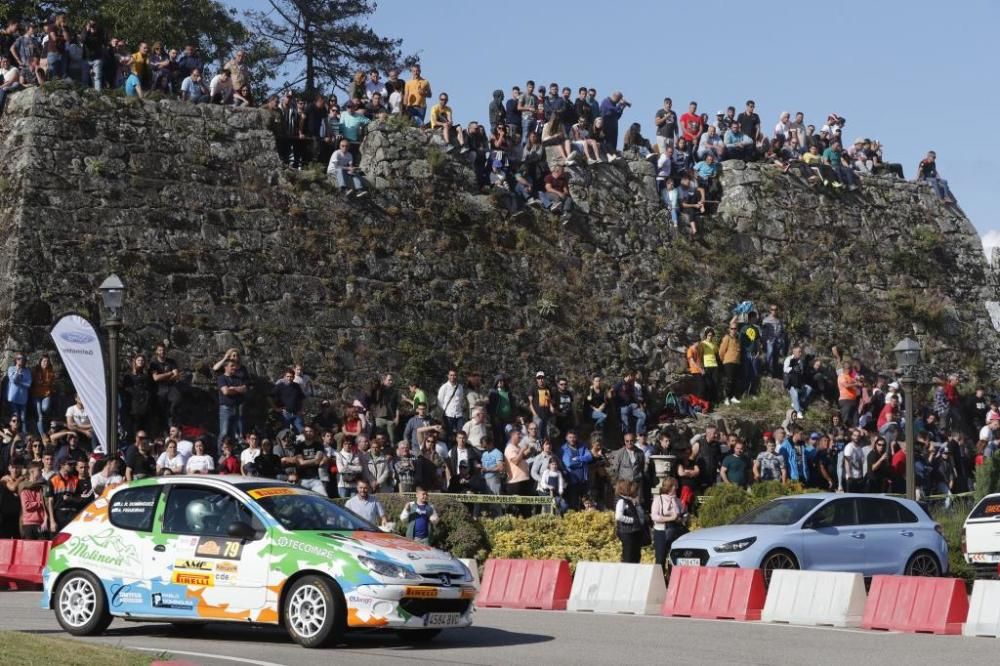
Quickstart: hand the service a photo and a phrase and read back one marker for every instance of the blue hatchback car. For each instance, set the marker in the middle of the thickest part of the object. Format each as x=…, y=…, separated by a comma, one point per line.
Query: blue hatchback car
x=866, y=534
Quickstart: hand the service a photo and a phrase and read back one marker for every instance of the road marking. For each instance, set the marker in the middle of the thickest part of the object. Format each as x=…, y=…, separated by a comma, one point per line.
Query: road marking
x=219, y=657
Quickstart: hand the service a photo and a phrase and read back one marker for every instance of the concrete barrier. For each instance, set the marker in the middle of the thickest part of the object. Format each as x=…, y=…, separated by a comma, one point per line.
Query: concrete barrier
x=606, y=587
x=815, y=598
x=984, y=610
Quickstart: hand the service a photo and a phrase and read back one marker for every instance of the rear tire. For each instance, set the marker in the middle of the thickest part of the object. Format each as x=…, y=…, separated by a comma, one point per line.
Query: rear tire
x=418, y=635
x=779, y=558
x=923, y=563
x=314, y=612
x=80, y=604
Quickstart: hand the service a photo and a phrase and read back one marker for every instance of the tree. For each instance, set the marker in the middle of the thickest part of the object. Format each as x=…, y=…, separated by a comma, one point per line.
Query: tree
x=322, y=43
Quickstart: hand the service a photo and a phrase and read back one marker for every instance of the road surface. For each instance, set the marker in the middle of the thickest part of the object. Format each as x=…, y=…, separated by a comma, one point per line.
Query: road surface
x=523, y=638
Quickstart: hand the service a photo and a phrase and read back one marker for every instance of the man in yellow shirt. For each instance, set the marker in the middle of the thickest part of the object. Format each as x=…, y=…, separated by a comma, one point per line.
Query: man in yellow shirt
x=415, y=94
x=441, y=118
x=140, y=66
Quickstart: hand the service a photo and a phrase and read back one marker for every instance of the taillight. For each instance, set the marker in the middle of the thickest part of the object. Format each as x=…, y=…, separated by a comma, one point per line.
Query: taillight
x=60, y=539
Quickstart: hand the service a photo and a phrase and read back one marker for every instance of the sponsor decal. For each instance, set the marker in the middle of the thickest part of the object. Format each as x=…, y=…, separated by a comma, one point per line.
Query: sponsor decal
x=225, y=567
x=225, y=578
x=261, y=493
x=285, y=542
x=228, y=549
x=171, y=600
x=106, y=548
x=468, y=593
x=191, y=578
x=133, y=507
x=125, y=594
x=77, y=337
x=421, y=592
x=197, y=565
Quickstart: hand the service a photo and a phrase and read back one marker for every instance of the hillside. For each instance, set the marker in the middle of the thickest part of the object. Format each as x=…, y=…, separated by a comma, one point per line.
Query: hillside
x=220, y=246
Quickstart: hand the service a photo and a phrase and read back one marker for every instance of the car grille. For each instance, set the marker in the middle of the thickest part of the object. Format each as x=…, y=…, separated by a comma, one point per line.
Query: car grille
x=985, y=570
x=421, y=607
x=700, y=553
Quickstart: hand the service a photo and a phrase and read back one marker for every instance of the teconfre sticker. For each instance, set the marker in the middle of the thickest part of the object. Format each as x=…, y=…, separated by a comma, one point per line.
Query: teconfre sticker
x=261, y=493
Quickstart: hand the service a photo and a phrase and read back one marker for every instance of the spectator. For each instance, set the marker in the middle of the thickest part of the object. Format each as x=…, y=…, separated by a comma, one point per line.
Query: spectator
x=451, y=400
x=630, y=521
x=611, y=111
x=576, y=460
x=750, y=121
x=833, y=156
x=540, y=404
x=239, y=70
x=558, y=149
x=363, y=505
x=775, y=341
x=420, y=517
x=229, y=463
x=849, y=390
x=10, y=80
x=668, y=520
x=193, y=88
x=666, y=125
x=31, y=493
x=139, y=391
x=249, y=455
x=628, y=464
x=526, y=104
x=78, y=420
x=797, y=454
x=415, y=94
x=492, y=461
x=170, y=461
x=562, y=406
x=501, y=407
x=232, y=394
x=769, y=466
x=62, y=499
x=220, y=89
x=750, y=348
x=310, y=462
x=556, y=196
x=140, y=462
x=596, y=403
x=404, y=468
x=879, y=468
x=692, y=202
x=476, y=428
x=735, y=467
x=927, y=171
x=464, y=463
x=342, y=167
x=695, y=369
x=711, y=143
x=691, y=124
x=167, y=377
x=351, y=468
x=199, y=462
x=442, y=118
x=709, y=351
x=798, y=390
x=518, y=471
x=19, y=389
x=628, y=401
x=379, y=466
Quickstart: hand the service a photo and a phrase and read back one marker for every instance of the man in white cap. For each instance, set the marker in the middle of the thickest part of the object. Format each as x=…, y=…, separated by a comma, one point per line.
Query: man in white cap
x=540, y=402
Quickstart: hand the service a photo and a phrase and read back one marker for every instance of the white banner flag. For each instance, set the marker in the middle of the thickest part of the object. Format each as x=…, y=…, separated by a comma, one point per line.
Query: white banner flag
x=80, y=349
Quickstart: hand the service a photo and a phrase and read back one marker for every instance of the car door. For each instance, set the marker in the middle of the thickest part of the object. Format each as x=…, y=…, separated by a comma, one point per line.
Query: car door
x=198, y=570
x=832, y=540
x=127, y=546
x=889, y=541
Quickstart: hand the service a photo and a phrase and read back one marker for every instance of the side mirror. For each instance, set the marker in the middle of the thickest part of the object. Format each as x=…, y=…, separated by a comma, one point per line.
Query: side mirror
x=241, y=530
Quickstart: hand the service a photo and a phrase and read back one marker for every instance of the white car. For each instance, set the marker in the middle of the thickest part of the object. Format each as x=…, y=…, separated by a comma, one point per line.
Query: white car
x=981, y=537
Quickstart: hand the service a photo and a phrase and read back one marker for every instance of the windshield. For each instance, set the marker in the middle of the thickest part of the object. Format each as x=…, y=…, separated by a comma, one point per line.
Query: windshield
x=308, y=511
x=778, y=512
x=988, y=508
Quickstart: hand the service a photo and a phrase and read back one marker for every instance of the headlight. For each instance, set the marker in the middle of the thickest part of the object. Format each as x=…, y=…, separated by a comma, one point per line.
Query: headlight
x=387, y=569
x=468, y=572
x=735, y=546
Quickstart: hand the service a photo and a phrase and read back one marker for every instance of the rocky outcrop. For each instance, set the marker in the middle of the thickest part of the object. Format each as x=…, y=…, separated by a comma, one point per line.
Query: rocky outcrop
x=220, y=246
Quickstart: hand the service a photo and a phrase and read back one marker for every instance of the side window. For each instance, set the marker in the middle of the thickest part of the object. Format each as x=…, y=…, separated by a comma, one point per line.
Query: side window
x=134, y=508
x=203, y=512
x=881, y=512
x=838, y=513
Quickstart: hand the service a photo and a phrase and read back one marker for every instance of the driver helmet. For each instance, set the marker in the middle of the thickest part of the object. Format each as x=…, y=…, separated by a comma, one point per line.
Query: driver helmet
x=199, y=513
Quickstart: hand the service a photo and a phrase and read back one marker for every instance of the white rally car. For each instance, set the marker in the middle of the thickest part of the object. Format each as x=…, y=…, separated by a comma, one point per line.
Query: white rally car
x=196, y=549
x=981, y=537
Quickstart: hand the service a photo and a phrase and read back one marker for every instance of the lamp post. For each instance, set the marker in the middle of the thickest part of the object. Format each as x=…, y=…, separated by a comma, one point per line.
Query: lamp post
x=907, y=357
x=113, y=294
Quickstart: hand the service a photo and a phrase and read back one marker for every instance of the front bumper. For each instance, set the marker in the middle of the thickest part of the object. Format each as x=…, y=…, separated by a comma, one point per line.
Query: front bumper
x=707, y=557
x=410, y=606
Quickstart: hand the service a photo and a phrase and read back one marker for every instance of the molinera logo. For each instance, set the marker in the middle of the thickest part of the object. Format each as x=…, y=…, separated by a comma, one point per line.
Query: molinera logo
x=77, y=337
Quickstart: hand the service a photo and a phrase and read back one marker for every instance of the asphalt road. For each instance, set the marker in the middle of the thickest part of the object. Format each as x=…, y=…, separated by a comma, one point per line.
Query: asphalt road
x=537, y=637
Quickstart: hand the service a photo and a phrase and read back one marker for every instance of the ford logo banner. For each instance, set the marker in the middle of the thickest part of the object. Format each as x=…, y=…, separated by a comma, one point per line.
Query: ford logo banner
x=77, y=338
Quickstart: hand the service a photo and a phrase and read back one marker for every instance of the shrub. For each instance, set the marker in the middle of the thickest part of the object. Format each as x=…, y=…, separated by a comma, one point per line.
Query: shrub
x=987, y=478
x=578, y=536
x=726, y=502
x=951, y=521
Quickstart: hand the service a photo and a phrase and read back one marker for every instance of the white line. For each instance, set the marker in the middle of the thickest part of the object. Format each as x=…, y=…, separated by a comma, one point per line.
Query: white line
x=220, y=657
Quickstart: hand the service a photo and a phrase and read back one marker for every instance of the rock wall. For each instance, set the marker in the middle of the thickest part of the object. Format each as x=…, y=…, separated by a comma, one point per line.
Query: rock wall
x=220, y=246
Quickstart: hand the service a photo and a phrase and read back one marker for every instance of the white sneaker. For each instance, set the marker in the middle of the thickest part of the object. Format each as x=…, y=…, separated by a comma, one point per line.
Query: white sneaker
x=800, y=416
x=727, y=401
x=735, y=401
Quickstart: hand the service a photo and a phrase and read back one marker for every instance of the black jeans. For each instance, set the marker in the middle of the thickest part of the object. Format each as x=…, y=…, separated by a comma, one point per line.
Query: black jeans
x=849, y=412
x=732, y=371
x=662, y=540
x=631, y=547
x=712, y=384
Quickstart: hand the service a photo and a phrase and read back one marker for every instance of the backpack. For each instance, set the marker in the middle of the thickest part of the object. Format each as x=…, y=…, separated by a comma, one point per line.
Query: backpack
x=696, y=404
x=672, y=405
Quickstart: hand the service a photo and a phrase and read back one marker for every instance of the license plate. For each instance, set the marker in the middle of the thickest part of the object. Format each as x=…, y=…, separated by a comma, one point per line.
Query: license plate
x=688, y=562
x=988, y=558
x=442, y=619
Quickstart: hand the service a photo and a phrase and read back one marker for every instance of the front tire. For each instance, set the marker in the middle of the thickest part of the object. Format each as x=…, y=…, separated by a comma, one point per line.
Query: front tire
x=777, y=559
x=314, y=612
x=923, y=563
x=81, y=606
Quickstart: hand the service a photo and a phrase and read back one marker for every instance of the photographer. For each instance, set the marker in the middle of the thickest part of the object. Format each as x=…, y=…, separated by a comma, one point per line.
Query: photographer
x=612, y=109
x=798, y=390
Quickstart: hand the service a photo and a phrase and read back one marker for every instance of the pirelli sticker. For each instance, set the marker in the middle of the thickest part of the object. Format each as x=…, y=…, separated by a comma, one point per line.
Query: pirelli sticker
x=421, y=592
x=261, y=493
x=193, y=579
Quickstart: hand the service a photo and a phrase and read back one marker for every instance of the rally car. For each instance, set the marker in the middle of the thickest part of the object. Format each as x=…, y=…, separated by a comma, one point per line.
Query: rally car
x=197, y=549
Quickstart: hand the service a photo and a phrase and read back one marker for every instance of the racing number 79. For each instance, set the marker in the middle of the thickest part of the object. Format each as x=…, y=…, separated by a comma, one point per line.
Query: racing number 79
x=232, y=549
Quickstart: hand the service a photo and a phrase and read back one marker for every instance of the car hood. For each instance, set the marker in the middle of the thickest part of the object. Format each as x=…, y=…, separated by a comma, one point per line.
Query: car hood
x=726, y=533
x=399, y=550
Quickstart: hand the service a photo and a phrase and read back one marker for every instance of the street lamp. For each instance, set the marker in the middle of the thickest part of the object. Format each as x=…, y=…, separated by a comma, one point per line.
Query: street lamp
x=907, y=357
x=113, y=294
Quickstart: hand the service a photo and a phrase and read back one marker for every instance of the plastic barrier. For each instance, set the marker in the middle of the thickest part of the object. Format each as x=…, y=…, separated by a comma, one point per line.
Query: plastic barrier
x=984, y=610
x=6, y=559
x=916, y=604
x=815, y=598
x=474, y=568
x=534, y=584
x=26, y=564
x=715, y=593
x=606, y=587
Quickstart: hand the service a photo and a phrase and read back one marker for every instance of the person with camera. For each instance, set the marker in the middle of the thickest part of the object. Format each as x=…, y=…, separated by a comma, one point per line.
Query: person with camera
x=611, y=110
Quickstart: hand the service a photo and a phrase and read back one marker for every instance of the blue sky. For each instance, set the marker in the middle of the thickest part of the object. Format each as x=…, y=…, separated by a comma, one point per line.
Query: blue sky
x=916, y=75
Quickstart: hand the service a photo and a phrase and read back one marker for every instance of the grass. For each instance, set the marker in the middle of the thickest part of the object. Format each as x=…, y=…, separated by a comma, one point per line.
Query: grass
x=951, y=521
x=34, y=650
